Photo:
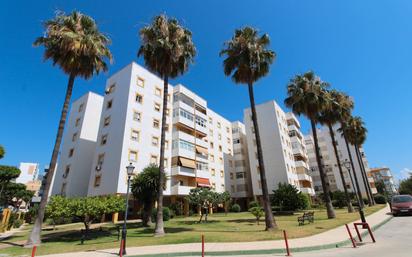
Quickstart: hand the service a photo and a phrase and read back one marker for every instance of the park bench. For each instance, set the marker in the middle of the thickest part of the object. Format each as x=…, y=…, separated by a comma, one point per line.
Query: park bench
x=309, y=216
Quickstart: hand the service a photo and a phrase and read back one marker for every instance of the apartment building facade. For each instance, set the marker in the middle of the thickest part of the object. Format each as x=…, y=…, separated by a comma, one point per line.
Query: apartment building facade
x=330, y=165
x=384, y=174
x=278, y=153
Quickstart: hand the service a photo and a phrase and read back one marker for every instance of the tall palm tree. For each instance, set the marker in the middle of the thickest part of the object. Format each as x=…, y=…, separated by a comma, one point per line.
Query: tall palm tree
x=355, y=132
x=74, y=43
x=167, y=49
x=339, y=107
x=247, y=59
x=307, y=96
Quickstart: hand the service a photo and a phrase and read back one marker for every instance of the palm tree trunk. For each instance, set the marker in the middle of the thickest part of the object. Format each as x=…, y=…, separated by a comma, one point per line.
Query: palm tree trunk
x=348, y=200
x=369, y=186
x=269, y=220
x=34, y=237
x=360, y=201
x=147, y=213
x=364, y=177
x=325, y=184
x=159, y=229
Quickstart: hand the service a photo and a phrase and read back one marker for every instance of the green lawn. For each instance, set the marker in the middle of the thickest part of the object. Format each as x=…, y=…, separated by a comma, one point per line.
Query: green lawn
x=235, y=227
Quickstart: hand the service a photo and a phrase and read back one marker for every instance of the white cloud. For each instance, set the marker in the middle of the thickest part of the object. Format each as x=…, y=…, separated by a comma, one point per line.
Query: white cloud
x=403, y=174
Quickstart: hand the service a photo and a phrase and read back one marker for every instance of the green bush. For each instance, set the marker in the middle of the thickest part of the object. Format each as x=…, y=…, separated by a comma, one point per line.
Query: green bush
x=235, y=208
x=304, y=200
x=365, y=201
x=288, y=198
x=253, y=204
x=17, y=223
x=166, y=214
x=176, y=208
x=379, y=199
x=338, y=199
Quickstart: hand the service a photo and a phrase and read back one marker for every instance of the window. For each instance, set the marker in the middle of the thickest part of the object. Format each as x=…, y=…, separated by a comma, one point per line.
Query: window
x=100, y=160
x=140, y=81
x=137, y=116
x=232, y=188
x=158, y=91
x=111, y=89
x=132, y=155
x=109, y=104
x=220, y=136
x=231, y=175
x=221, y=160
x=71, y=152
x=165, y=162
x=228, y=140
x=63, y=189
x=135, y=135
x=240, y=175
x=155, y=141
x=156, y=123
x=77, y=122
x=97, y=180
x=227, y=130
x=210, y=132
x=74, y=137
x=211, y=145
x=222, y=174
x=213, y=172
x=103, y=141
x=219, y=125
x=139, y=98
x=166, y=144
x=210, y=120
x=106, y=121
x=220, y=148
x=153, y=159
x=157, y=107
x=212, y=158
x=214, y=185
x=66, y=171
x=81, y=107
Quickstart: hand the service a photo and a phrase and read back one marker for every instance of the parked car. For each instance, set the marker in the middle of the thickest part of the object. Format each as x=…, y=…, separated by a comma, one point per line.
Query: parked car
x=401, y=204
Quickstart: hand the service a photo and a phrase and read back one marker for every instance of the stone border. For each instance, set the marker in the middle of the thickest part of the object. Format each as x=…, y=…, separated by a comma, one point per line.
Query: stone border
x=266, y=251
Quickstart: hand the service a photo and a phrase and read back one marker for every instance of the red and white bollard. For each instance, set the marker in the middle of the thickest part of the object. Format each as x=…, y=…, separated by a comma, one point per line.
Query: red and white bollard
x=286, y=243
x=203, y=245
x=33, y=251
x=121, y=248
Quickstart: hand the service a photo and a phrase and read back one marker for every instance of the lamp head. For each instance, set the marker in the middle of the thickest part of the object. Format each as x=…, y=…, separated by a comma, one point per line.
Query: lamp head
x=130, y=169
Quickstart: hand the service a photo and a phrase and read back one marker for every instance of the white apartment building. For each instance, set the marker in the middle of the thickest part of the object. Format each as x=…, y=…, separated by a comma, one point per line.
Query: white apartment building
x=278, y=153
x=29, y=172
x=330, y=165
x=300, y=154
x=126, y=126
x=238, y=178
x=384, y=174
x=79, y=142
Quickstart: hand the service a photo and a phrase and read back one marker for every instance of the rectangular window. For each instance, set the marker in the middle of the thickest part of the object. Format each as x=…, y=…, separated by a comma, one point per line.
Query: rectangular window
x=132, y=156
x=158, y=91
x=77, y=122
x=81, y=107
x=140, y=81
x=103, y=141
x=100, y=160
x=139, y=98
x=228, y=140
x=155, y=141
x=66, y=171
x=156, y=123
x=220, y=136
x=212, y=158
x=157, y=107
x=210, y=132
x=135, y=135
x=213, y=172
x=110, y=89
x=220, y=148
x=227, y=130
x=97, y=180
x=153, y=159
x=222, y=174
x=221, y=160
x=211, y=145
x=74, y=137
x=109, y=104
x=106, y=121
x=219, y=125
x=71, y=152
x=210, y=120
x=231, y=175
x=137, y=116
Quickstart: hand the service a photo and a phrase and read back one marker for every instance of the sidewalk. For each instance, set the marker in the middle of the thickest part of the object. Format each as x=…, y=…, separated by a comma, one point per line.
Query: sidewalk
x=329, y=239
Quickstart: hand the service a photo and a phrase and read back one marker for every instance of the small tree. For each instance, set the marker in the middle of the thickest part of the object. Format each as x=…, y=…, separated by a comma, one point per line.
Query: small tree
x=405, y=186
x=288, y=198
x=258, y=212
x=58, y=208
x=225, y=200
x=202, y=198
x=7, y=173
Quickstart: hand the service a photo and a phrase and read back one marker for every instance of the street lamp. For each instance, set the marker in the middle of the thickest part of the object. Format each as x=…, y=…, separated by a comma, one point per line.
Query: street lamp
x=347, y=165
x=130, y=173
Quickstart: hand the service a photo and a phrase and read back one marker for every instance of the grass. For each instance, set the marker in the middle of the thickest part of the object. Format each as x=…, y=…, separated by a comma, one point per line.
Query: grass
x=235, y=227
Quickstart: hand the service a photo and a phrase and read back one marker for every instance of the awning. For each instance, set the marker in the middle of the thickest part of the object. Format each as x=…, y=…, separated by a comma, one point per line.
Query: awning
x=203, y=182
x=185, y=162
x=201, y=150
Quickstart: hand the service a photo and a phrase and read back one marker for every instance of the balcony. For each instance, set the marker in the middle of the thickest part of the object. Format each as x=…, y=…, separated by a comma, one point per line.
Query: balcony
x=202, y=174
x=183, y=171
x=304, y=177
x=307, y=190
x=303, y=164
x=180, y=190
x=189, y=138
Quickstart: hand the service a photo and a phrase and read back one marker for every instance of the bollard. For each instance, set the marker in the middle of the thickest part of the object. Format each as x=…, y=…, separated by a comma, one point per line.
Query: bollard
x=286, y=243
x=350, y=236
x=203, y=245
x=121, y=248
x=33, y=251
x=364, y=225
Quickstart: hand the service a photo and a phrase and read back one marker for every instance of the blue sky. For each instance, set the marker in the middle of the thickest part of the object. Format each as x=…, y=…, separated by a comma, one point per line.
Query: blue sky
x=361, y=47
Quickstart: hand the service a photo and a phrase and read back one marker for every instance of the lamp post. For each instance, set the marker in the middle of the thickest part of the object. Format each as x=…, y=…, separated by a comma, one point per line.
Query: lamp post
x=347, y=165
x=130, y=173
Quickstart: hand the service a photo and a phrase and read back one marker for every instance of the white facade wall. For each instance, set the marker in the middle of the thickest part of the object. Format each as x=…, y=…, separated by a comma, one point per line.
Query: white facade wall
x=29, y=172
x=79, y=141
x=276, y=147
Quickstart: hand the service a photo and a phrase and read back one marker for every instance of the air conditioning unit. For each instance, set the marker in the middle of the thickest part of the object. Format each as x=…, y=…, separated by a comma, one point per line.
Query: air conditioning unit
x=98, y=167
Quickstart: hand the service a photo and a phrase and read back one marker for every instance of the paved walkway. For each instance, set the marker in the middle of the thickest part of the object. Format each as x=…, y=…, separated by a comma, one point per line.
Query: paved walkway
x=326, y=239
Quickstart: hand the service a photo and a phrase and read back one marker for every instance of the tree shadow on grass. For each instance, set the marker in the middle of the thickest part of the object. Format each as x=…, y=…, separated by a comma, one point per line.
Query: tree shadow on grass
x=149, y=232
x=196, y=222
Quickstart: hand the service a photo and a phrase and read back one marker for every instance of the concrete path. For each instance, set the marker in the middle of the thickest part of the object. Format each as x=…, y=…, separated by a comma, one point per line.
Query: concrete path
x=326, y=239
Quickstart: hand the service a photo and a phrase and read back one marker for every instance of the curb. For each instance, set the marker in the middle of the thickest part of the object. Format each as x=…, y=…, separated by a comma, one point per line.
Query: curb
x=266, y=251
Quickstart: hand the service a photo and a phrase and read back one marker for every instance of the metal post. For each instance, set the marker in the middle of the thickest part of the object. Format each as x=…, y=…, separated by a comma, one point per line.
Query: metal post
x=370, y=233
x=286, y=243
x=33, y=251
x=350, y=236
x=124, y=230
x=203, y=245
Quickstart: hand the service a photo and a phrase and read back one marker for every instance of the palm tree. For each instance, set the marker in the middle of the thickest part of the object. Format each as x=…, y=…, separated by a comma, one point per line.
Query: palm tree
x=74, y=43
x=2, y=152
x=339, y=107
x=167, y=49
x=307, y=96
x=247, y=60
x=355, y=132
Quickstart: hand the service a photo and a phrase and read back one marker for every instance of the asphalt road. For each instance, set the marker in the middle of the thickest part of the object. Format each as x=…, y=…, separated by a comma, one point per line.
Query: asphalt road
x=394, y=239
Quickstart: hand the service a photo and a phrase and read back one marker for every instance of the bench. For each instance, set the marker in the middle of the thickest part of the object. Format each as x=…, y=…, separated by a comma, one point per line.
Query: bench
x=309, y=216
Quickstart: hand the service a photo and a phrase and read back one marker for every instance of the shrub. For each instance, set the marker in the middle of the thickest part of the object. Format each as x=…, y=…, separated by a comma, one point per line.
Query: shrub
x=379, y=199
x=177, y=208
x=235, y=208
x=288, y=198
x=166, y=214
x=258, y=212
x=304, y=201
x=253, y=204
x=17, y=223
x=339, y=199
x=365, y=201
